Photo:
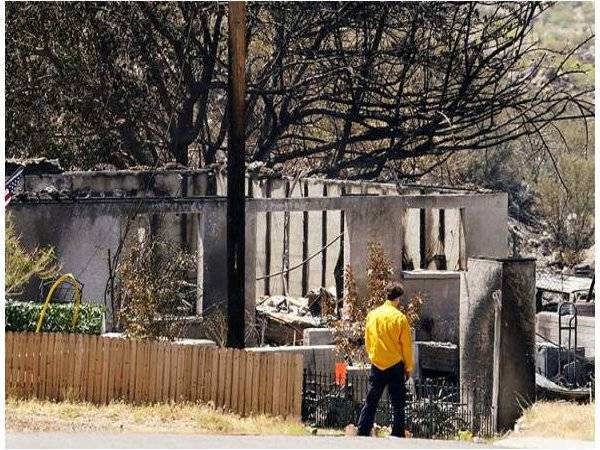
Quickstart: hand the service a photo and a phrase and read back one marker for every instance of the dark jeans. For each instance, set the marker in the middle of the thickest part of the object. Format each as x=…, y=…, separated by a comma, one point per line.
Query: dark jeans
x=393, y=378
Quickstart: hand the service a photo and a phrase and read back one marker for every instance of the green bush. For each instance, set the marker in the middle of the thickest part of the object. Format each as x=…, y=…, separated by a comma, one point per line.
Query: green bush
x=23, y=316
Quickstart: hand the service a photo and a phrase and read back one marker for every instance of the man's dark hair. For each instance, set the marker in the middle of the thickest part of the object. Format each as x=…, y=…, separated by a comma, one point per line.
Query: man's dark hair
x=394, y=290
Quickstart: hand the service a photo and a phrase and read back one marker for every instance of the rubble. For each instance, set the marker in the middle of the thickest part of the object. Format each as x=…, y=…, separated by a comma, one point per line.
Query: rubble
x=321, y=300
x=287, y=317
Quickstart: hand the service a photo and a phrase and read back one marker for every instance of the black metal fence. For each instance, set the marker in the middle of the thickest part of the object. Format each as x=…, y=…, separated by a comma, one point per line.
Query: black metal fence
x=435, y=409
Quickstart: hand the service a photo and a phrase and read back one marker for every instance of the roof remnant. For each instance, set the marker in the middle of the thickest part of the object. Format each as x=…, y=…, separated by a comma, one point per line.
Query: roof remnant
x=564, y=284
x=34, y=166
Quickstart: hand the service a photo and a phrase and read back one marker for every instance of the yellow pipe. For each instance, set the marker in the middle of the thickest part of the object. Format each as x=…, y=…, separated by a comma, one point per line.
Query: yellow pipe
x=58, y=282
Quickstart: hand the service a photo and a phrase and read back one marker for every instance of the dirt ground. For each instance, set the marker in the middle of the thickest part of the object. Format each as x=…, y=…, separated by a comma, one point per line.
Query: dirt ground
x=35, y=415
x=556, y=419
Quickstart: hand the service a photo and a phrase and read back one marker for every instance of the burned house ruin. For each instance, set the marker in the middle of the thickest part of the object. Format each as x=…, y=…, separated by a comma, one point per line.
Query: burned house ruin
x=313, y=226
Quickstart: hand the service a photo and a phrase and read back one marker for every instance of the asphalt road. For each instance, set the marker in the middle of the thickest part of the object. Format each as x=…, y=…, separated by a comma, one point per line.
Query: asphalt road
x=97, y=440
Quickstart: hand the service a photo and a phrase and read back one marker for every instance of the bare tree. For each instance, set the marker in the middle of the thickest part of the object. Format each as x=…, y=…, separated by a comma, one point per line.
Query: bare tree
x=335, y=88
x=382, y=85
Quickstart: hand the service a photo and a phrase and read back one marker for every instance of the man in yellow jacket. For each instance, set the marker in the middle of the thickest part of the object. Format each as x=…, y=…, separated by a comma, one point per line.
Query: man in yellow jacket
x=389, y=346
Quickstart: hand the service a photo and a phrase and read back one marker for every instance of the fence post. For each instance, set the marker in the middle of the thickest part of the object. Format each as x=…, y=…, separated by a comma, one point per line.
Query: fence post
x=303, y=396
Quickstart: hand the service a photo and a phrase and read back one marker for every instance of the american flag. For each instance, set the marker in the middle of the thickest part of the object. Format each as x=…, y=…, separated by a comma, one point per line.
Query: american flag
x=11, y=185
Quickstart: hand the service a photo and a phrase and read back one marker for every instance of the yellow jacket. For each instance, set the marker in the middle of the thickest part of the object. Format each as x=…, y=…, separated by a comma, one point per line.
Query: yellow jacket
x=388, y=338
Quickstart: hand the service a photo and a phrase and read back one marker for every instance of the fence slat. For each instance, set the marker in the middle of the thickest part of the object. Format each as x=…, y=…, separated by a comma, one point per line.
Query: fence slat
x=64, y=385
x=152, y=363
x=206, y=374
x=49, y=351
x=291, y=383
x=270, y=391
x=146, y=372
x=112, y=369
x=222, y=382
x=214, y=376
x=14, y=364
x=60, y=362
x=90, y=368
x=67, y=354
x=133, y=349
x=37, y=367
x=173, y=372
x=194, y=373
x=283, y=393
x=36, y=364
x=299, y=372
x=247, y=407
x=70, y=376
x=276, y=383
x=240, y=384
x=167, y=374
x=160, y=376
x=262, y=396
x=56, y=360
x=201, y=374
x=235, y=373
x=150, y=371
x=140, y=372
x=27, y=360
x=127, y=343
x=8, y=363
x=253, y=407
x=105, y=370
x=187, y=372
x=21, y=361
x=99, y=366
x=137, y=374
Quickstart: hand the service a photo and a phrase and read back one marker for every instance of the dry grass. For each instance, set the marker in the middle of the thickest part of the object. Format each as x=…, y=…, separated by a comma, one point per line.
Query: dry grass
x=36, y=415
x=557, y=419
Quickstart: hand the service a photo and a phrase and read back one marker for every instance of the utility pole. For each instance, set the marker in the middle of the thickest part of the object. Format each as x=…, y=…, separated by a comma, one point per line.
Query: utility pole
x=236, y=192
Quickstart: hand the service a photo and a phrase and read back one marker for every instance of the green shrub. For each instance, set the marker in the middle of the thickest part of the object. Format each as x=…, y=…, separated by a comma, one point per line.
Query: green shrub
x=569, y=214
x=23, y=316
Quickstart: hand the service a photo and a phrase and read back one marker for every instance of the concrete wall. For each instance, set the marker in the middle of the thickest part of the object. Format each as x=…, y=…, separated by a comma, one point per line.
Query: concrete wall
x=81, y=240
x=516, y=383
x=317, y=336
x=477, y=330
x=486, y=230
x=395, y=227
x=440, y=313
x=308, y=231
x=497, y=335
x=82, y=233
x=371, y=224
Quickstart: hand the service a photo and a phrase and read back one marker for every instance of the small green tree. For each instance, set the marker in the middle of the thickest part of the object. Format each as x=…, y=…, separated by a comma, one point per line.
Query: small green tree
x=569, y=212
x=22, y=264
x=350, y=329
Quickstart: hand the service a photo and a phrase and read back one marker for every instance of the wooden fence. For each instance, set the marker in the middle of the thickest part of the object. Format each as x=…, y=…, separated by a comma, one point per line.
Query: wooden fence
x=97, y=369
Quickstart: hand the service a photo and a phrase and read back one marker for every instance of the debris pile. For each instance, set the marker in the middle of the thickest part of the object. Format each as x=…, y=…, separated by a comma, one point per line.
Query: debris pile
x=566, y=373
x=287, y=317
